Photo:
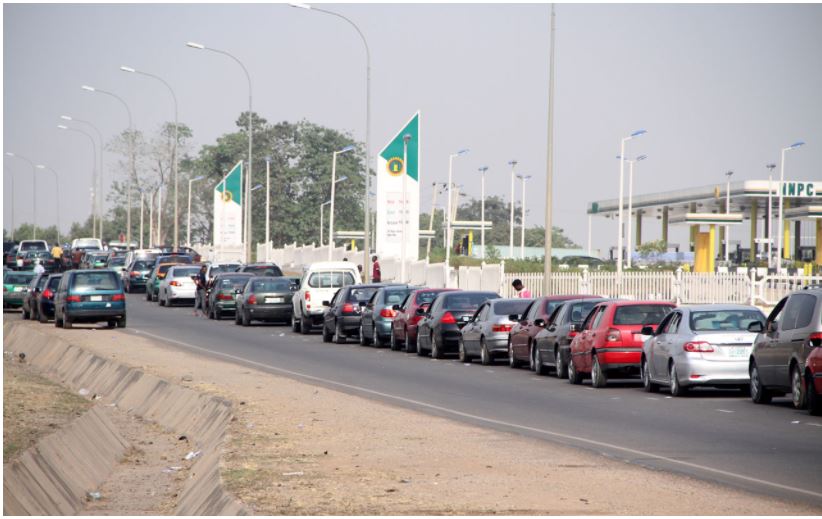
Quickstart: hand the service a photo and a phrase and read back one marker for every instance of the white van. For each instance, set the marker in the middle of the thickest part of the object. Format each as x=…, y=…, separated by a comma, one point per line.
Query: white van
x=319, y=282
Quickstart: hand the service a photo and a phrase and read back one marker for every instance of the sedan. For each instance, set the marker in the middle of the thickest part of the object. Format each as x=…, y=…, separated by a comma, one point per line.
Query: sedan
x=264, y=298
x=553, y=343
x=135, y=275
x=409, y=313
x=485, y=334
x=222, y=296
x=38, y=282
x=378, y=314
x=45, y=300
x=178, y=285
x=439, y=331
x=343, y=313
x=706, y=345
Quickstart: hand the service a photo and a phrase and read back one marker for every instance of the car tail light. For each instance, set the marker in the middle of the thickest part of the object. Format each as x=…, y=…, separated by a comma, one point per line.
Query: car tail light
x=307, y=295
x=697, y=347
x=448, y=318
x=572, y=334
x=48, y=294
x=175, y=284
x=348, y=308
x=613, y=335
x=415, y=319
x=501, y=327
x=5, y=289
x=224, y=297
x=815, y=339
x=388, y=313
x=160, y=275
x=118, y=297
x=73, y=299
x=252, y=299
x=135, y=274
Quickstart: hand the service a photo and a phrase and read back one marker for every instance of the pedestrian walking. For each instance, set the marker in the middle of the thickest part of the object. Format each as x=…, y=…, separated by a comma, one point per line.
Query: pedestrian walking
x=522, y=292
x=376, y=273
x=57, y=256
x=199, y=294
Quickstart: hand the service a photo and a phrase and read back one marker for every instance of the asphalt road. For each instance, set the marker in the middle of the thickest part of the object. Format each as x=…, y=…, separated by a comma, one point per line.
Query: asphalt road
x=713, y=435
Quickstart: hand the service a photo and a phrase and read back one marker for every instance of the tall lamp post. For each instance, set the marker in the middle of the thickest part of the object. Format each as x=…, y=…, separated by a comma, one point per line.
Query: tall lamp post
x=770, y=167
x=333, y=192
x=322, y=219
x=188, y=226
x=267, y=206
x=513, y=164
x=523, y=178
x=482, y=171
x=622, y=203
x=367, y=240
x=779, y=253
x=57, y=187
x=142, y=198
x=93, y=159
x=99, y=192
x=447, y=263
x=435, y=185
x=199, y=46
x=728, y=211
x=133, y=175
x=33, y=194
x=547, y=265
x=174, y=167
x=631, y=163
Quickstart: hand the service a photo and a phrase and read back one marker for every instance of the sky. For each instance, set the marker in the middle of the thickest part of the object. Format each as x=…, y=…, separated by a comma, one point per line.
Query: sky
x=717, y=87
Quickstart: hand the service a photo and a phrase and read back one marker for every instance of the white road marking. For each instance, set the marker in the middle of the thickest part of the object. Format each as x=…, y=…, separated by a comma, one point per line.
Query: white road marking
x=725, y=411
x=494, y=421
x=795, y=421
x=814, y=424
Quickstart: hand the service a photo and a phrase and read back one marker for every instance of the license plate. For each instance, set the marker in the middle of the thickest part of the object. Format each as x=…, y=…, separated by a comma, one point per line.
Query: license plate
x=18, y=289
x=95, y=298
x=738, y=352
x=274, y=300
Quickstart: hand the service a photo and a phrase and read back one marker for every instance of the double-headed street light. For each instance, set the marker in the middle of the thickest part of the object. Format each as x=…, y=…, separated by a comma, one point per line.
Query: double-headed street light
x=247, y=218
x=781, y=231
x=448, y=214
x=333, y=191
x=621, y=202
x=99, y=192
x=523, y=178
x=57, y=187
x=631, y=204
x=188, y=226
x=322, y=210
x=93, y=162
x=174, y=167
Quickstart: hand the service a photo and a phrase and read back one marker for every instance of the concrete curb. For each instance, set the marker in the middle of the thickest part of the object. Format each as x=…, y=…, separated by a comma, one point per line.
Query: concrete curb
x=202, y=418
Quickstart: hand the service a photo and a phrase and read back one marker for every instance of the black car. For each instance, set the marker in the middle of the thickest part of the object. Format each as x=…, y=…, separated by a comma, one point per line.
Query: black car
x=262, y=269
x=439, y=329
x=553, y=344
x=375, y=325
x=264, y=299
x=44, y=304
x=342, y=317
x=37, y=284
x=222, y=293
x=136, y=275
x=10, y=257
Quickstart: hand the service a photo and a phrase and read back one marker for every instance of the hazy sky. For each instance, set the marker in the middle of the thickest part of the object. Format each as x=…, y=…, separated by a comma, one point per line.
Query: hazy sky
x=717, y=88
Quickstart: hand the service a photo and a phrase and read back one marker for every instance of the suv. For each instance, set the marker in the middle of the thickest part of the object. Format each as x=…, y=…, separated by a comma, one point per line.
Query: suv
x=320, y=281
x=778, y=358
x=90, y=296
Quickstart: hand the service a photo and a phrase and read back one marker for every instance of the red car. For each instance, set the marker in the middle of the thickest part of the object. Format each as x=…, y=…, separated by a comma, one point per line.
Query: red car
x=610, y=340
x=813, y=375
x=522, y=339
x=404, y=325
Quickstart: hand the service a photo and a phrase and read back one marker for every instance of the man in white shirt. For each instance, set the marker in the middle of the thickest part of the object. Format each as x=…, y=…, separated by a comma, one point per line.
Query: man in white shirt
x=38, y=267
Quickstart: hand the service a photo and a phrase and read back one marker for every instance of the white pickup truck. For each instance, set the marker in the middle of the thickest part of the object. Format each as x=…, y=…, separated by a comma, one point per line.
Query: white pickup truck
x=319, y=282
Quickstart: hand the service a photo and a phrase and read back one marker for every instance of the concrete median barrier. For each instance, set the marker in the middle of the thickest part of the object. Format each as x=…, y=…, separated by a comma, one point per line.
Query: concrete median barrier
x=202, y=418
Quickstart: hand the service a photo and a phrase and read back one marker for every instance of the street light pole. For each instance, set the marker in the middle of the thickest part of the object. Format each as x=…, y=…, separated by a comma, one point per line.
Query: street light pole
x=431, y=220
x=322, y=219
x=622, y=202
x=93, y=161
x=781, y=231
x=99, y=192
x=631, y=163
x=33, y=194
x=513, y=165
x=523, y=178
x=57, y=187
x=770, y=167
x=250, y=143
x=267, y=206
x=188, y=226
x=333, y=192
x=142, y=196
x=727, y=212
x=446, y=265
x=482, y=171
x=549, y=174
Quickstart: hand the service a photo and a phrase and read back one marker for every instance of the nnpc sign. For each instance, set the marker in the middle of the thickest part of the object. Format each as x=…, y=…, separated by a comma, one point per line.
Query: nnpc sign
x=802, y=189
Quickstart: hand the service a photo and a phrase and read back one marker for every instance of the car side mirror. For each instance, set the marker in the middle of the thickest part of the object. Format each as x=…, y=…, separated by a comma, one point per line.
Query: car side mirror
x=421, y=311
x=647, y=330
x=772, y=326
x=574, y=327
x=396, y=308
x=756, y=327
x=238, y=291
x=540, y=323
x=326, y=303
x=466, y=319
x=514, y=317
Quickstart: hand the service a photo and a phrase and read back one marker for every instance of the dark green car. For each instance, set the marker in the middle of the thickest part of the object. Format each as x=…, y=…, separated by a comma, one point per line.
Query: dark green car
x=222, y=297
x=15, y=285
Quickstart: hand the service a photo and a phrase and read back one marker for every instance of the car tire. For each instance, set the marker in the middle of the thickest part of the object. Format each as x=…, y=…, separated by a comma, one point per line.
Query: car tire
x=121, y=322
x=420, y=352
x=339, y=337
x=677, y=389
x=408, y=345
x=305, y=325
x=111, y=324
x=512, y=361
x=485, y=356
x=574, y=377
x=539, y=367
x=436, y=349
x=560, y=369
x=759, y=393
x=67, y=324
x=463, y=355
x=798, y=392
x=645, y=372
x=245, y=318
x=814, y=398
x=598, y=377
x=363, y=340
x=378, y=341
x=295, y=324
x=395, y=346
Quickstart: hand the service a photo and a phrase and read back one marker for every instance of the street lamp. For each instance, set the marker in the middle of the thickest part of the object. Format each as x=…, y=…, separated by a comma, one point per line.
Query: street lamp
x=523, y=178
x=94, y=166
x=99, y=192
x=174, y=167
x=188, y=226
x=200, y=46
x=142, y=197
x=367, y=240
x=133, y=175
x=267, y=205
x=779, y=252
x=33, y=194
x=728, y=211
x=446, y=265
x=333, y=191
x=57, y=187
x=482, y=171
x=513, y=164
x=322, y=219
x=631, y=205
x=621, y=202
x=435, y=185
x=770, y=167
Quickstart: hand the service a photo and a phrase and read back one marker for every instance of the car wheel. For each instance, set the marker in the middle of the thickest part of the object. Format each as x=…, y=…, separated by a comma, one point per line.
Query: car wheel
x=512, y=361
x=111, y=324
x=797, y=388
x=378, y=341
x=463, y=355
x=305, y=325
x=339, y=336
x=485, y=355
x=759, y=393
x=363, y=340
x=121, y=323
x=395, y=346
x=409, y=346
x=814, y=398
x=560, y=369
x=574, y=377
x=677, y=389
x=67, y=324
x=436, y=349
x=598, y=377
x=246, y=319
x=539, y=367
x=421, y=352
x=647, y=384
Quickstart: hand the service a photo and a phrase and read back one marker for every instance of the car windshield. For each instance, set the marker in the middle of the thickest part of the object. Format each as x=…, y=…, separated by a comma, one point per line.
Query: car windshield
x=511, y=307
x=462, y=301
x=141, y=265
x=264, y=270
x=640, y=314
x=176, y=259
x=118, y=261
x=18, y=278
x=164, y=268
x=185, y=272
x=580, y=310
x=88, y=281
x=725, y=320
x=271, y=285
x=231, y=267
x=361, y=294
x=333, y=279
x=233, y=282
x=32, y=245
x=396, y=296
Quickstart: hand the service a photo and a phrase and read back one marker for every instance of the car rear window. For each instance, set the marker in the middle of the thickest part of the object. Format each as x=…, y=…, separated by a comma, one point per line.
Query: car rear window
x=164, y=268
x=725, y=320
x=176, y=259
x=271, y=285
x=118, y=261
x=32, y=245
x=396, y=296
x=361, y=294
x=466, y=301
x=103, y=280
x=640, y=314
x=21, y=278
x=185, y=272
x=232, y=282
x=331, y=279
x=224, y=268
x=580, y=310
x=511, y=307
x=426, y=297
x=142, y=265
x=264, y=270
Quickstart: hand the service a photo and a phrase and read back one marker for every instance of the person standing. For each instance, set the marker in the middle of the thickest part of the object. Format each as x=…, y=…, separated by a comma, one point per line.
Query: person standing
x=199, y=294
x=522, y=292
x=57, y=256
x=376, y=273
x=38, y=267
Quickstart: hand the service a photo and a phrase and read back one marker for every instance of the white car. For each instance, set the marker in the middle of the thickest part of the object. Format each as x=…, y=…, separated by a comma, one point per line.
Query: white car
x=178, y=285
x=319, y=282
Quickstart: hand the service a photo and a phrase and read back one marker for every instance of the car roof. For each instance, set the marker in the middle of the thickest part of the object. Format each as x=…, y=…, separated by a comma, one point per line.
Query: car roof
x=718, y=307
x=627, y=302
x=567, y=297
x=332, y=265
x=227, y=274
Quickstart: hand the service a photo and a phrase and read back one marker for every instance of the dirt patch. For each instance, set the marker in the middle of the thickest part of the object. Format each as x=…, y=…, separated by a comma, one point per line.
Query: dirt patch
x=299, y=449
x=33, y=406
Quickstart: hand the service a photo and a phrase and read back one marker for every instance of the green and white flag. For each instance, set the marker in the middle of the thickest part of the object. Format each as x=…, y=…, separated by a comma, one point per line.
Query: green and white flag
x=228, y=209
x=398, y=194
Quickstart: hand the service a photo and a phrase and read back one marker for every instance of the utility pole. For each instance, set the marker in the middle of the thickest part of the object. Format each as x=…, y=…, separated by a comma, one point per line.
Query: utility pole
x=549, y=176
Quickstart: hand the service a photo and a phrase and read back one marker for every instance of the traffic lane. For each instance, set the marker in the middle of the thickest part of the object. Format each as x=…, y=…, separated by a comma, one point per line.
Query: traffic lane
x=755, y=440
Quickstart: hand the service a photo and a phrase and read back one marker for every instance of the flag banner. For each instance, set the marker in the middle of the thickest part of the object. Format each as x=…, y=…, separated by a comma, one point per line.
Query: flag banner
x=398, y=194
x=228, y=208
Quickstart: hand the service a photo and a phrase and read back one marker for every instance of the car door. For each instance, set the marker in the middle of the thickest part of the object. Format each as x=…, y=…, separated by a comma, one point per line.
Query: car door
x=425, y=324
x=520, y=347
x=330, y=315
x=473, y=329
x=580, y=343
x=663, y=346
x=598, y=329
x=546, y=339
x=792, y=343
x=767, y=342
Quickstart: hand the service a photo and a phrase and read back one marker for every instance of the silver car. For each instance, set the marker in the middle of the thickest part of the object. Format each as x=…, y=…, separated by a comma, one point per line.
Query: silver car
x=485, y=334
x=705, y=345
